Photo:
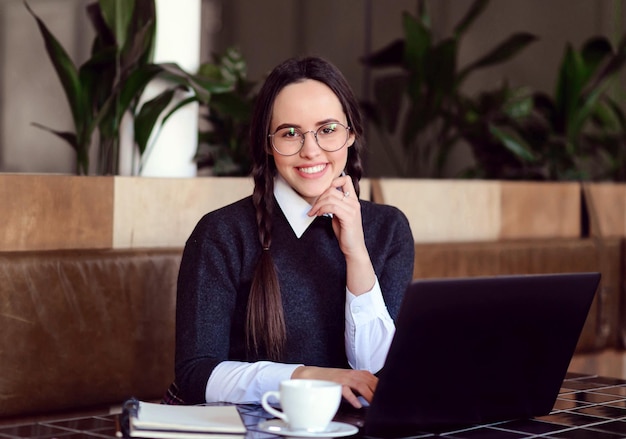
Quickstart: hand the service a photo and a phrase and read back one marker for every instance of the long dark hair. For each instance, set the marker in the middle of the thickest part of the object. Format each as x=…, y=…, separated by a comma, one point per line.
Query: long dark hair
x=265, y=318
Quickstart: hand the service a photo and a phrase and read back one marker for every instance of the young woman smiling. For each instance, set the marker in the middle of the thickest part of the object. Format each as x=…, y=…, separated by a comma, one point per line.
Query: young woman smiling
x=302, y=279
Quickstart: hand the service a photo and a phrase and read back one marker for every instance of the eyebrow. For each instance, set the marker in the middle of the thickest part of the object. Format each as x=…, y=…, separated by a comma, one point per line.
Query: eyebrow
x=318, y=124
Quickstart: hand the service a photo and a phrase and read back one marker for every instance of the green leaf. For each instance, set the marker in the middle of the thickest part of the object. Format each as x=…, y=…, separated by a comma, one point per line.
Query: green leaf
x=472, y=14
x=232, y=65
x=236, y=107
x=618, y=113
x=124, y=97
x=580, y=116
x=137, y=51
x=117, y=15
x=66, y=71
x=569, y=87
x=595, y=51
x=68, y=136
x=203, y=87
x=440, y=69
x=104, y=35
x=82, y=156
x=513, y=143
x=148, y=117
x=97, y=76
x=503, y=52
x=132, y=88
x=210, y=70
x=418, y=40
x=607, y=70
x=140, y=48
x=181, y=104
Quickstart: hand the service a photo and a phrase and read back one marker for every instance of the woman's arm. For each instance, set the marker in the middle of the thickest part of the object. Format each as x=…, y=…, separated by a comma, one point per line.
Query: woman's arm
x=240, y=382
x=368, y=335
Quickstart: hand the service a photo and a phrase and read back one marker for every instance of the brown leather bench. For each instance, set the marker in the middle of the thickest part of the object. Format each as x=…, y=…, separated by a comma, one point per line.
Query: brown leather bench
x=85, y=328
x=81, y=329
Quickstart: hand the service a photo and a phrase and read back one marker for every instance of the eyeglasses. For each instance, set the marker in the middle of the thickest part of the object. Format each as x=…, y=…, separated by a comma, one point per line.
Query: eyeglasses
x=330, y=137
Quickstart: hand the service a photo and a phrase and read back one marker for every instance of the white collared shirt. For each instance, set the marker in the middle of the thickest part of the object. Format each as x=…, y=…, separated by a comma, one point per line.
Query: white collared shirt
x=368, y=328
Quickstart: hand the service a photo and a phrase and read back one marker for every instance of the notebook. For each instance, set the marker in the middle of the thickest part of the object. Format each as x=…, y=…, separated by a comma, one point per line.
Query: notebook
x=476, y=350
x=152, y=420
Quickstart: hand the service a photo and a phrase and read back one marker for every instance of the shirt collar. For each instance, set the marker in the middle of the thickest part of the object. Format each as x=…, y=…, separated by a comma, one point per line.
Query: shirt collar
x=293, y=206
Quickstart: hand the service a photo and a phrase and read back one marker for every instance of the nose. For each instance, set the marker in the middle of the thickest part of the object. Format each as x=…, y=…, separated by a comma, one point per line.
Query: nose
x=310, y=148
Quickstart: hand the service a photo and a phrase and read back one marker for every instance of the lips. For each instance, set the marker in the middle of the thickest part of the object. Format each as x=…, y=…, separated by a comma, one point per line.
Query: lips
x=312, y=169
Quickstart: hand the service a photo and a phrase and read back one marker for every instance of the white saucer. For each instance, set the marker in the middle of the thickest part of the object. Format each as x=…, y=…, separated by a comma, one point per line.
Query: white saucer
x=334, y=429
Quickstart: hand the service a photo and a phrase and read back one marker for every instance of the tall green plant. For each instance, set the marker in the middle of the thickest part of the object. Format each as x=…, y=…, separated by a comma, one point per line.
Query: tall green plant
x=419, y=98
x=224, y=145
x=576, y=133
x=110, y=83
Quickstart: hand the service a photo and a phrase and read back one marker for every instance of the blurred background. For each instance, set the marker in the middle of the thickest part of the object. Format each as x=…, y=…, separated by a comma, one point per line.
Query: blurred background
x=266, y=32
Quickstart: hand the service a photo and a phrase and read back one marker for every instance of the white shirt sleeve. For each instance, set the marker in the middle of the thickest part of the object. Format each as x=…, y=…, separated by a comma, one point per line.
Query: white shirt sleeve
x=368, y=334
x=369, y=329
x=240, y=382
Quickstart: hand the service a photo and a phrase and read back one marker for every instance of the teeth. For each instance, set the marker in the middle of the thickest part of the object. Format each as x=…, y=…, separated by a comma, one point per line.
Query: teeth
x=313, y=169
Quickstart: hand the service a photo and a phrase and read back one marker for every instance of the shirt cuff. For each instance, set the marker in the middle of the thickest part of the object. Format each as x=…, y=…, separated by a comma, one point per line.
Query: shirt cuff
x=366, y=307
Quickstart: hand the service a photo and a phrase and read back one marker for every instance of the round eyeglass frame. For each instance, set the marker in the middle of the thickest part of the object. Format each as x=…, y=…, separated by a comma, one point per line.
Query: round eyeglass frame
x=304, y=133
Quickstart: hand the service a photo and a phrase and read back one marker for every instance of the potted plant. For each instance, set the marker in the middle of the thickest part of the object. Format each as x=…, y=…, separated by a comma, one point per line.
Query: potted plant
x=577, y=133
x=223, y=147
x=420, y=99
x=109, y=85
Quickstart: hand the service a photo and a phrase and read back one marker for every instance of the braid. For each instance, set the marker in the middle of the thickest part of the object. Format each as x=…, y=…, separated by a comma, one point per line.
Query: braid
x=265, y=322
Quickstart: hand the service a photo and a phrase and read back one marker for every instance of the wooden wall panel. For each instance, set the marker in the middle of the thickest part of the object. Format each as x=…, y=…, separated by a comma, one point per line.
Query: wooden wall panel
x=539, y=210
x=482, y=210
x=444, y=210
x=162, y=212
x=606, y=203
x=44, y=212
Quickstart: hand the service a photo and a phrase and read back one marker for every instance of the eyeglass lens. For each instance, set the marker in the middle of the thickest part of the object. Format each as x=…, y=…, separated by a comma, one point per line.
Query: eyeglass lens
x=330, y=137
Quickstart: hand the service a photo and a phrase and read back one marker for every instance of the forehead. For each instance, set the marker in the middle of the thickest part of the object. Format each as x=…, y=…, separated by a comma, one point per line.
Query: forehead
x=306, y=102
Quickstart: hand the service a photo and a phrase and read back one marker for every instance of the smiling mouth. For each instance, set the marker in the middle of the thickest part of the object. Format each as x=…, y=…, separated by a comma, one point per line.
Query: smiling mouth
x=312, y=169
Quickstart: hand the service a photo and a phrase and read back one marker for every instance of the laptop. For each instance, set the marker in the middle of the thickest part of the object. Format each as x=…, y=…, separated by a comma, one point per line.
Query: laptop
x=476, y=350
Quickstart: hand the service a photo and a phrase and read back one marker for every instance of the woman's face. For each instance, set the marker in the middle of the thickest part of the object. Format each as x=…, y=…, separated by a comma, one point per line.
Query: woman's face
x=306, y=106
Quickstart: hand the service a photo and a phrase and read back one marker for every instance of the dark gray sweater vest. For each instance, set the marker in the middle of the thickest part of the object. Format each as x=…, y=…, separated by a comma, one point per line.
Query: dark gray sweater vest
x=215, y=277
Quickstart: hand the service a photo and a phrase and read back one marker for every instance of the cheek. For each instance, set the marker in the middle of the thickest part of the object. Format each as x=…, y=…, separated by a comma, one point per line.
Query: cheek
x=280, y=160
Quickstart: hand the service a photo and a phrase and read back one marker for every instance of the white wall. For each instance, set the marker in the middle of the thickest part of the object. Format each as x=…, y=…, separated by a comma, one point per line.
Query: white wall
x=29, y=88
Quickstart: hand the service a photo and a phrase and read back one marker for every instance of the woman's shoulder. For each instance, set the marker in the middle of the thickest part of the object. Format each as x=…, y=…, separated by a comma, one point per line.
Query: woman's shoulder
x=384, y=217
x=239, y=206
x=384, y=212
x=235, y=214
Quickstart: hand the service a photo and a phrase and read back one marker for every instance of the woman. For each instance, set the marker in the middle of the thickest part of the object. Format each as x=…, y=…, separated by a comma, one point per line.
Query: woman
x=301, y=279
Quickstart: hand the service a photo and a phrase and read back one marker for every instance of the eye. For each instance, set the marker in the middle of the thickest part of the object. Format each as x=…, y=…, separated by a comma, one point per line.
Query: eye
x=289, y=133
x=329, y=129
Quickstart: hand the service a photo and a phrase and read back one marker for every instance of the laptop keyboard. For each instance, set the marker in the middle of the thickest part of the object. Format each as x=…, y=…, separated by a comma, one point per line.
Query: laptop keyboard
x=351, y=415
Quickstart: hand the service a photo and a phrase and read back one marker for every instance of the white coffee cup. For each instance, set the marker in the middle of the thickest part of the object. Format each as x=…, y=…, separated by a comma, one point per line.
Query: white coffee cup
x=307, y=405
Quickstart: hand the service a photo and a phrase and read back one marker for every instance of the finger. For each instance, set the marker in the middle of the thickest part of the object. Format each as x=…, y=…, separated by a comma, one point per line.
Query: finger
x=333, y=201
x=344, y=183
x=366, y=384
x=349, y=396
x=368, y=394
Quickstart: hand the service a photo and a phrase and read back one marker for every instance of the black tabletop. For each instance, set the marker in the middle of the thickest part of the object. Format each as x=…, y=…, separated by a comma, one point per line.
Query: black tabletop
x=588, y=406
